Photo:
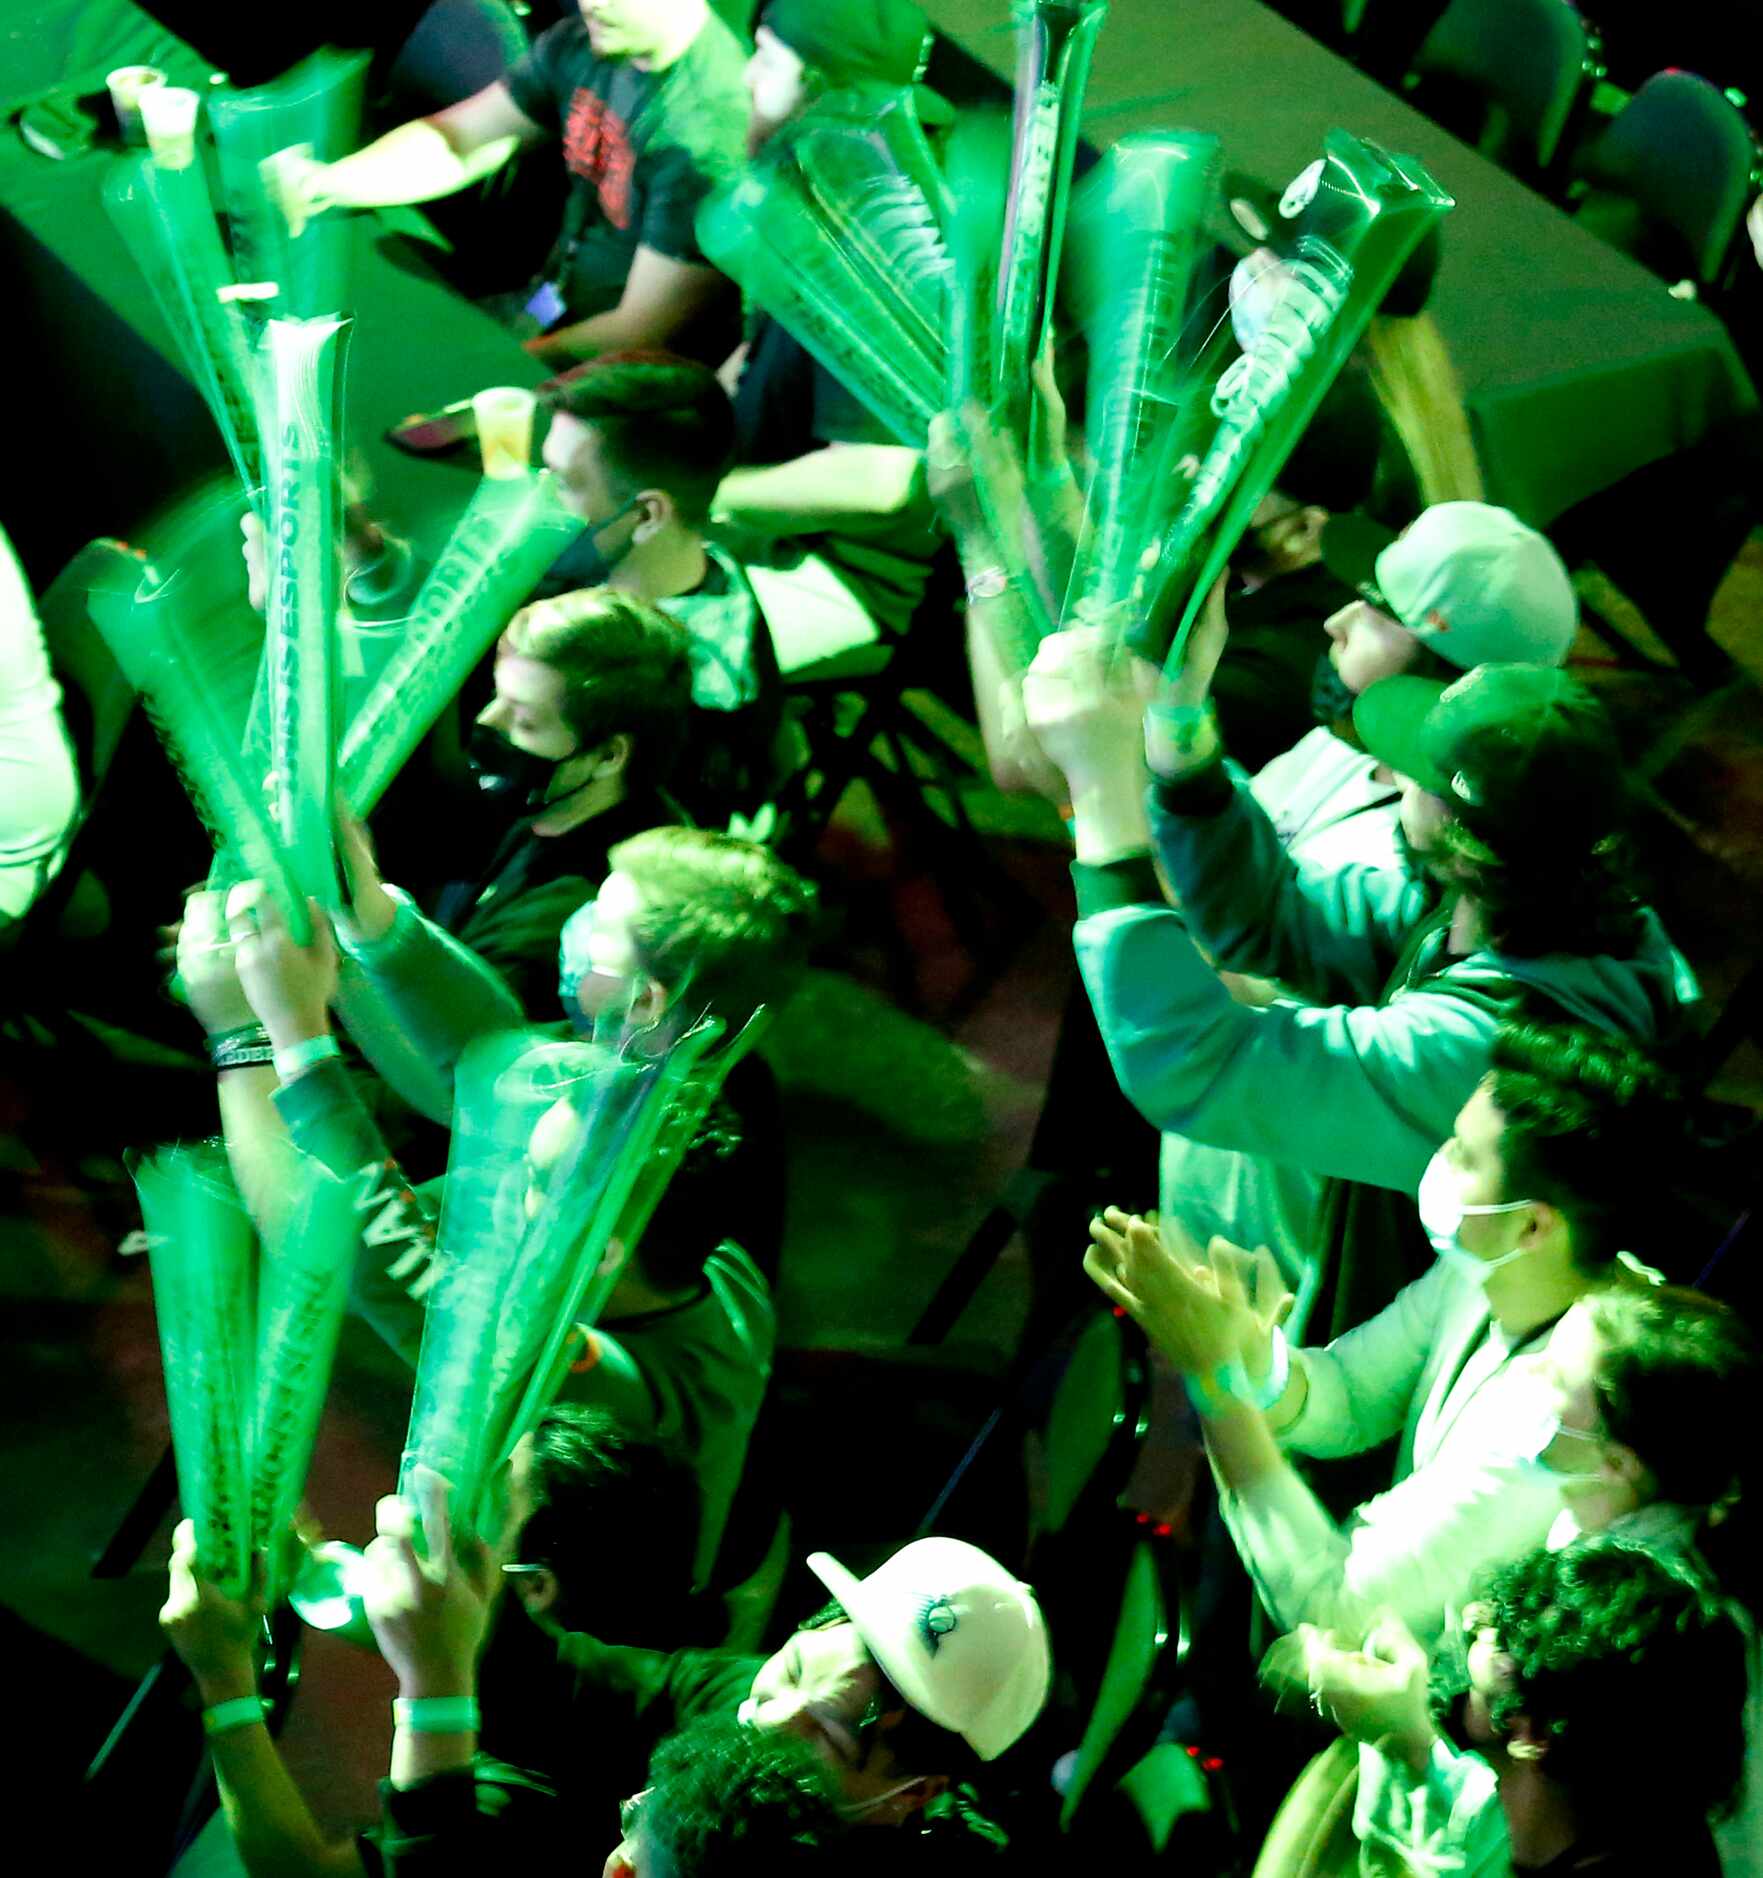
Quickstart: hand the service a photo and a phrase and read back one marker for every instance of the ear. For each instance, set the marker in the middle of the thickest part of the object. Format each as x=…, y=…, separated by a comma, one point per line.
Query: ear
x=537, y=1591
x=613, y=757
x=657, y=508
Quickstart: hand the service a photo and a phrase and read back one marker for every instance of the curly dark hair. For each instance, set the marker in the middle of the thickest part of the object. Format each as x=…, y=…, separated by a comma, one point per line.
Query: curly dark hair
x=727, y=1801
x=1583, y=1109
x=1631, y=1669
x=589, y=1478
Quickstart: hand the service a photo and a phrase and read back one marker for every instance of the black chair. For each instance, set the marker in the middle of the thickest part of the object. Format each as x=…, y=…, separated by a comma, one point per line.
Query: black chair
x=1670, y=177
x=1509, y=77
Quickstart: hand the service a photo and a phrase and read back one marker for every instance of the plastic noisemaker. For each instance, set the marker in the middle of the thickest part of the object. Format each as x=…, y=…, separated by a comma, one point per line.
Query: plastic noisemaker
x=513, y=530
x=151, y=635
x=303, y=372
x=843, y=249
x=1370, y=210
x=303, y=1287
x=200, y=1247
x=317, y=104
x=520, y=1103
x=1056, y=40
x=167, y=223
x=1131, y=251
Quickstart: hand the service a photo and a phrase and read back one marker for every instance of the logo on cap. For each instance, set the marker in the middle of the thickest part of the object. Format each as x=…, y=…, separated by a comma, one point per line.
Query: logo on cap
x=1437, y=621
x=936, y=1620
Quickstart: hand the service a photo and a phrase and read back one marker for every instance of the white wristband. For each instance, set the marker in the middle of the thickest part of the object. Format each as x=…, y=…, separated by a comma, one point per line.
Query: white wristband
x=1235, y=1378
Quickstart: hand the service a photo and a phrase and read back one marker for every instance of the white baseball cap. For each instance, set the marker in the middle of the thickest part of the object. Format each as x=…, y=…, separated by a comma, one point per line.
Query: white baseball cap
x=1469, y=580
x=961, y=1639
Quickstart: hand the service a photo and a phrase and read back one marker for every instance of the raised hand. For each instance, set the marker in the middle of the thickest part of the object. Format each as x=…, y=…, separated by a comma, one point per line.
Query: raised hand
x=1376, y=1693
x=215, y=1635
x=428, y=1615
x=290, y=986
x=208, y=966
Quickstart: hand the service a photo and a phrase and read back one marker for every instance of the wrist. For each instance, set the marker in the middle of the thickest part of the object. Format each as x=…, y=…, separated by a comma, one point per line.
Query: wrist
x=297, y=1059
x=288, y=1031
x=438, y=1682
x=1108, y=815
x=231, y=1682
x=1180, y=737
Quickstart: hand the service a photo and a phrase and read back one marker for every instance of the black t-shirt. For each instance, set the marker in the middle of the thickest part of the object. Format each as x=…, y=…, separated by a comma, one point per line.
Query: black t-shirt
x=787, y=404
x=514, y=911
x=642, y=150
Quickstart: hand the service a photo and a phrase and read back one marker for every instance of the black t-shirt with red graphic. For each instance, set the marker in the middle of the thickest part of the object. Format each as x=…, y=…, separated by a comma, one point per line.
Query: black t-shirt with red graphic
x=642, y=149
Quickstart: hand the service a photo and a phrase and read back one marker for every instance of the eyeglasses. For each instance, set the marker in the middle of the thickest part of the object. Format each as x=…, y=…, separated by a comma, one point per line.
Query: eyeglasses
x=630, y=1813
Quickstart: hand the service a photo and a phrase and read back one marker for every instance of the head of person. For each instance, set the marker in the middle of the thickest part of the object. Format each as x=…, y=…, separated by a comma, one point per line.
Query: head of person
x=592, y=688
x=1538, y=1178
x=916, y=1677
x=725, y=1801
x=804, y=47
x=603, y=1523
x=1465, y=585
x=1660, y=1395
x=640, y=30
x=1618, y=1676
x=1514, y=793
x=688, y=921
x=639, y=443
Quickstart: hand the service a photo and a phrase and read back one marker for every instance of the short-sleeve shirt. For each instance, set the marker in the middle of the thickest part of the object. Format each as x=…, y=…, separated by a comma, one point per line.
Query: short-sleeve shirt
x=642, y=149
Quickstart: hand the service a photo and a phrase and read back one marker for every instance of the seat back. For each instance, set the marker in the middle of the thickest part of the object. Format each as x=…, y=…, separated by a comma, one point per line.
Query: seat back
x=1140, y=1633
x=1163, y=1787
x=1093, y=1415
x=456, y=48
x=1683, y=155
x=1523, y=64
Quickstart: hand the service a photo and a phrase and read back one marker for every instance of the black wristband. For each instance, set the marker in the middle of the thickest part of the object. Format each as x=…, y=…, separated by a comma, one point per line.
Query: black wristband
x=241, y=1048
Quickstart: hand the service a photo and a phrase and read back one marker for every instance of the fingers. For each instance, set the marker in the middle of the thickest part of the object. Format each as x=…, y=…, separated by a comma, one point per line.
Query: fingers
x=1106, y=1277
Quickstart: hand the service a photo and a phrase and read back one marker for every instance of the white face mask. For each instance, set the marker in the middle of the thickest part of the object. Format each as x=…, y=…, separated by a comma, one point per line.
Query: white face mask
x=1443, y=1210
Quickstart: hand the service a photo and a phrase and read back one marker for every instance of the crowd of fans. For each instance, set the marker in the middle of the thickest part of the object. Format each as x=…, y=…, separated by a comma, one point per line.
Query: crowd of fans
x=1359, y=941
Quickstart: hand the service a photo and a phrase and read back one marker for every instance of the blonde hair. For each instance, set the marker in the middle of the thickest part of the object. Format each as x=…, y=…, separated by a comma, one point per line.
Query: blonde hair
x=1417, y=386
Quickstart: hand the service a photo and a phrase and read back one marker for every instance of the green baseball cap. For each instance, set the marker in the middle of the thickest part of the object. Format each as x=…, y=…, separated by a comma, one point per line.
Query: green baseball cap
x=1510, y=747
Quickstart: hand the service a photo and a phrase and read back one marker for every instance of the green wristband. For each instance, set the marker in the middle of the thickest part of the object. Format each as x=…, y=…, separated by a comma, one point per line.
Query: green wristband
x=245, y=1711
x=437, y=1714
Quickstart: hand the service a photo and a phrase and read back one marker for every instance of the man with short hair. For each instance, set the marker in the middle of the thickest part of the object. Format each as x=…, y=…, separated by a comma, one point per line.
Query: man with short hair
x=581, y=740
x=638, y=447
x=1472, y=1365
x=645, y=96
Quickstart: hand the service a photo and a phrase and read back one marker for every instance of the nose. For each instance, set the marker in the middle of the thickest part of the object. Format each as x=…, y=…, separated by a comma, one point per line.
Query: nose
x=493, y=715
x=1338, y=625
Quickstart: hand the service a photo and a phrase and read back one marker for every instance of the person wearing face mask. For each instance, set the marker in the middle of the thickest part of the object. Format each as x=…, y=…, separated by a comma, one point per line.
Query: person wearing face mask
x=639, y=444
x=586, y=729
x=1465, y=585
x=1602, y=1729
x=1473, y=1366
x=1390, y=984
x=714, y=1800
x=686, y=923
x=907, y=1689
